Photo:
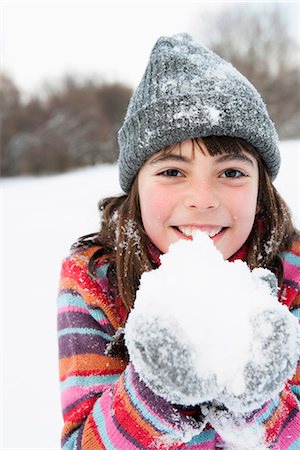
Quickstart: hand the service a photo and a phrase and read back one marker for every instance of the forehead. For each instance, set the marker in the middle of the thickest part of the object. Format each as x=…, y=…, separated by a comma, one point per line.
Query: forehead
x=208, y=147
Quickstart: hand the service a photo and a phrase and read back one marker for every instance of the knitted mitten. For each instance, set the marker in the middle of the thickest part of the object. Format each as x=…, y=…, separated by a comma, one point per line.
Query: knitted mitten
x=166, y=361
x=273, y=356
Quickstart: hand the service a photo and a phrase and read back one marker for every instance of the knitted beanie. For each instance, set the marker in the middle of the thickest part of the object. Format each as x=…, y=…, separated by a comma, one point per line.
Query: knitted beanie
x=187, y=91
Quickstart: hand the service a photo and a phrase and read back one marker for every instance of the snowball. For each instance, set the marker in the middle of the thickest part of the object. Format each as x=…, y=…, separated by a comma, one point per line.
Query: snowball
x=210, y=305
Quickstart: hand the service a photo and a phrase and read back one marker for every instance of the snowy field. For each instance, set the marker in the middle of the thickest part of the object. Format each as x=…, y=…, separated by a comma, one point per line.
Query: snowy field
x=41, y=218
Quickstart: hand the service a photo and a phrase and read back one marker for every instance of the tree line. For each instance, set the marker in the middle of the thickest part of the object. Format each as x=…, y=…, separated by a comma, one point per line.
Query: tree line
x=73, y=126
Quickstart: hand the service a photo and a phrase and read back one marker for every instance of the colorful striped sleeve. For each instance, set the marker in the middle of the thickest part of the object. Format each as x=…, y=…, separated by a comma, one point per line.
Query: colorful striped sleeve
x=281, y=416
x=105, y=404
x=290, y=295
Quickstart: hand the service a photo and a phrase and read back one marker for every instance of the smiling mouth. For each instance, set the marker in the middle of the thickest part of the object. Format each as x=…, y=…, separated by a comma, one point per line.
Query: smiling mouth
x=188, y=232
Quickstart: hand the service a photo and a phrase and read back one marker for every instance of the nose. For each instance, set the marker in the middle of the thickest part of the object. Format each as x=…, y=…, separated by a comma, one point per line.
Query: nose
x=201, y=195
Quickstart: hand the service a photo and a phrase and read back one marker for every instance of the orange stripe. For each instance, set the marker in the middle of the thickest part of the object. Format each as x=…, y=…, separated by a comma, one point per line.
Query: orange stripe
x=90, y=440
x=296, y=301
x=90, y=362
x=296, y=377
x=69, y=427
x=81, y=258
x=295, y=248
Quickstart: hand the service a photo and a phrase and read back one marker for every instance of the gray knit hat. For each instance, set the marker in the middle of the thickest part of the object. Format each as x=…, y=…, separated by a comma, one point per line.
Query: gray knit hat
x=188, y=91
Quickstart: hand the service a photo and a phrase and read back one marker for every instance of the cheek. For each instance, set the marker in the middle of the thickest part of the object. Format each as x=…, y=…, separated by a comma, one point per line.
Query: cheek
x=244, y=197
x=154, y=204
x=244, y=209
x=157, y=201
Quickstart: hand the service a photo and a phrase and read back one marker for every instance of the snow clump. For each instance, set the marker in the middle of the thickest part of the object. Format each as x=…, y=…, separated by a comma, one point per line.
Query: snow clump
x=215, y=309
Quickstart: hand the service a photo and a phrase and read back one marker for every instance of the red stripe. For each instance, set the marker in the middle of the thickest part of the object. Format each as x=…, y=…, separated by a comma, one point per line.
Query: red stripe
x=286, y=406
x=96, y=372
x=135, y=428
x=80, y=411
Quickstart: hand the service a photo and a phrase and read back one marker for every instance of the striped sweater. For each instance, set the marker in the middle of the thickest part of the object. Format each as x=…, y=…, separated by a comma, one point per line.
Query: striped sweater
x=105, y=404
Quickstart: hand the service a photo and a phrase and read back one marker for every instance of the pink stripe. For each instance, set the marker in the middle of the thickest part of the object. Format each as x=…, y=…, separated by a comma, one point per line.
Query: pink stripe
x=64, y=309
x=74, y=393
x=104, y=322
x=291, y=272
x=72, y=309
x=115, y=436
x=289, y=434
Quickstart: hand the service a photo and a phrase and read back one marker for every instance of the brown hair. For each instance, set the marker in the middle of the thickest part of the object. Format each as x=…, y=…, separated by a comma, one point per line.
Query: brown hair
x=123, y=236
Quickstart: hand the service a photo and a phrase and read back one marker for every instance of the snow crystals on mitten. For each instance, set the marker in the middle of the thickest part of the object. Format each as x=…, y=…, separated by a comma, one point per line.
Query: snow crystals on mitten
x=274, y=353
x=165, y=359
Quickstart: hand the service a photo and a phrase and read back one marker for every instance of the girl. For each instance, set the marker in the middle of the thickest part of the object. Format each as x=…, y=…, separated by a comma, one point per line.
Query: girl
x=197, y=151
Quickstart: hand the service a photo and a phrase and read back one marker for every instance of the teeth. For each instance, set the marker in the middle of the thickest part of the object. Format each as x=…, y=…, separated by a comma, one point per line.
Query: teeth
x=215, y=232
x=191, y=231
x=187, y=231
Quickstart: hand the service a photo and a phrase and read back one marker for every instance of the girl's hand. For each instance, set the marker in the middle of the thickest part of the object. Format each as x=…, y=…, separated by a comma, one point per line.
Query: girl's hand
x=274, y=353
x=164, y=358
x=204, y=328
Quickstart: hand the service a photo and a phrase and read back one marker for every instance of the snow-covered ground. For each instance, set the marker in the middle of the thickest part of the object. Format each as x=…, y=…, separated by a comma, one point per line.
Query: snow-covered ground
x=41, y=218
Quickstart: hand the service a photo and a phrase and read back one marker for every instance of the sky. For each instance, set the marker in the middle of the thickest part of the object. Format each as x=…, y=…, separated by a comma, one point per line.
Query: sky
x=42, y=40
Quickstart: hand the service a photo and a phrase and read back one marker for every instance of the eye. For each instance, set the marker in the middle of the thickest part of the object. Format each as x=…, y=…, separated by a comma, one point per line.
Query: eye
x=171, y=173
x=233, y=173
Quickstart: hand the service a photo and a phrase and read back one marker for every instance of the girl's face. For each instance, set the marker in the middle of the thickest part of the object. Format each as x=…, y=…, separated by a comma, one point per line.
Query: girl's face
x=188, y=190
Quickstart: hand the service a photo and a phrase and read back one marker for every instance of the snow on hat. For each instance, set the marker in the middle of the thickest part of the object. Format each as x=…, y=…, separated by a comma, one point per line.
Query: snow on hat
x=187, y=91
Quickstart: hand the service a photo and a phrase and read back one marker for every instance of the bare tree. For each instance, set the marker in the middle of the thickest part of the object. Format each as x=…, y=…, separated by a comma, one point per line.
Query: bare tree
x=71, y=125
x=258, y=41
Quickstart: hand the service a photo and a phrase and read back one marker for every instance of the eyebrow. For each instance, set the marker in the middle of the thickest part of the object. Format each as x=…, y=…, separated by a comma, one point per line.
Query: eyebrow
x=170, y=157
x=219, y=159
x=233, y=156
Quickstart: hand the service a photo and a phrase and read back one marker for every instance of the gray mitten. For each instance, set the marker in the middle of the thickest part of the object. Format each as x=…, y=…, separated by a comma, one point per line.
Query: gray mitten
x=274, y=352
x=164, y=358
x=262, y=276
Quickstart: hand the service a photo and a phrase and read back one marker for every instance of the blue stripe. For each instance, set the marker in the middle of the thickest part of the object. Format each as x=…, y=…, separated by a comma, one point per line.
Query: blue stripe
x=204, y=436
x=71, y=441
x=263, y=417
x=296, y=312
x=90, y=331
x=101, y=427
x=295, y=445
x=291, y=258
x=102, y=271
x=295, y=389
x=70, y=299
x=97, y=314
x=66, y=299
x=139, y=405
x=89, y=380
